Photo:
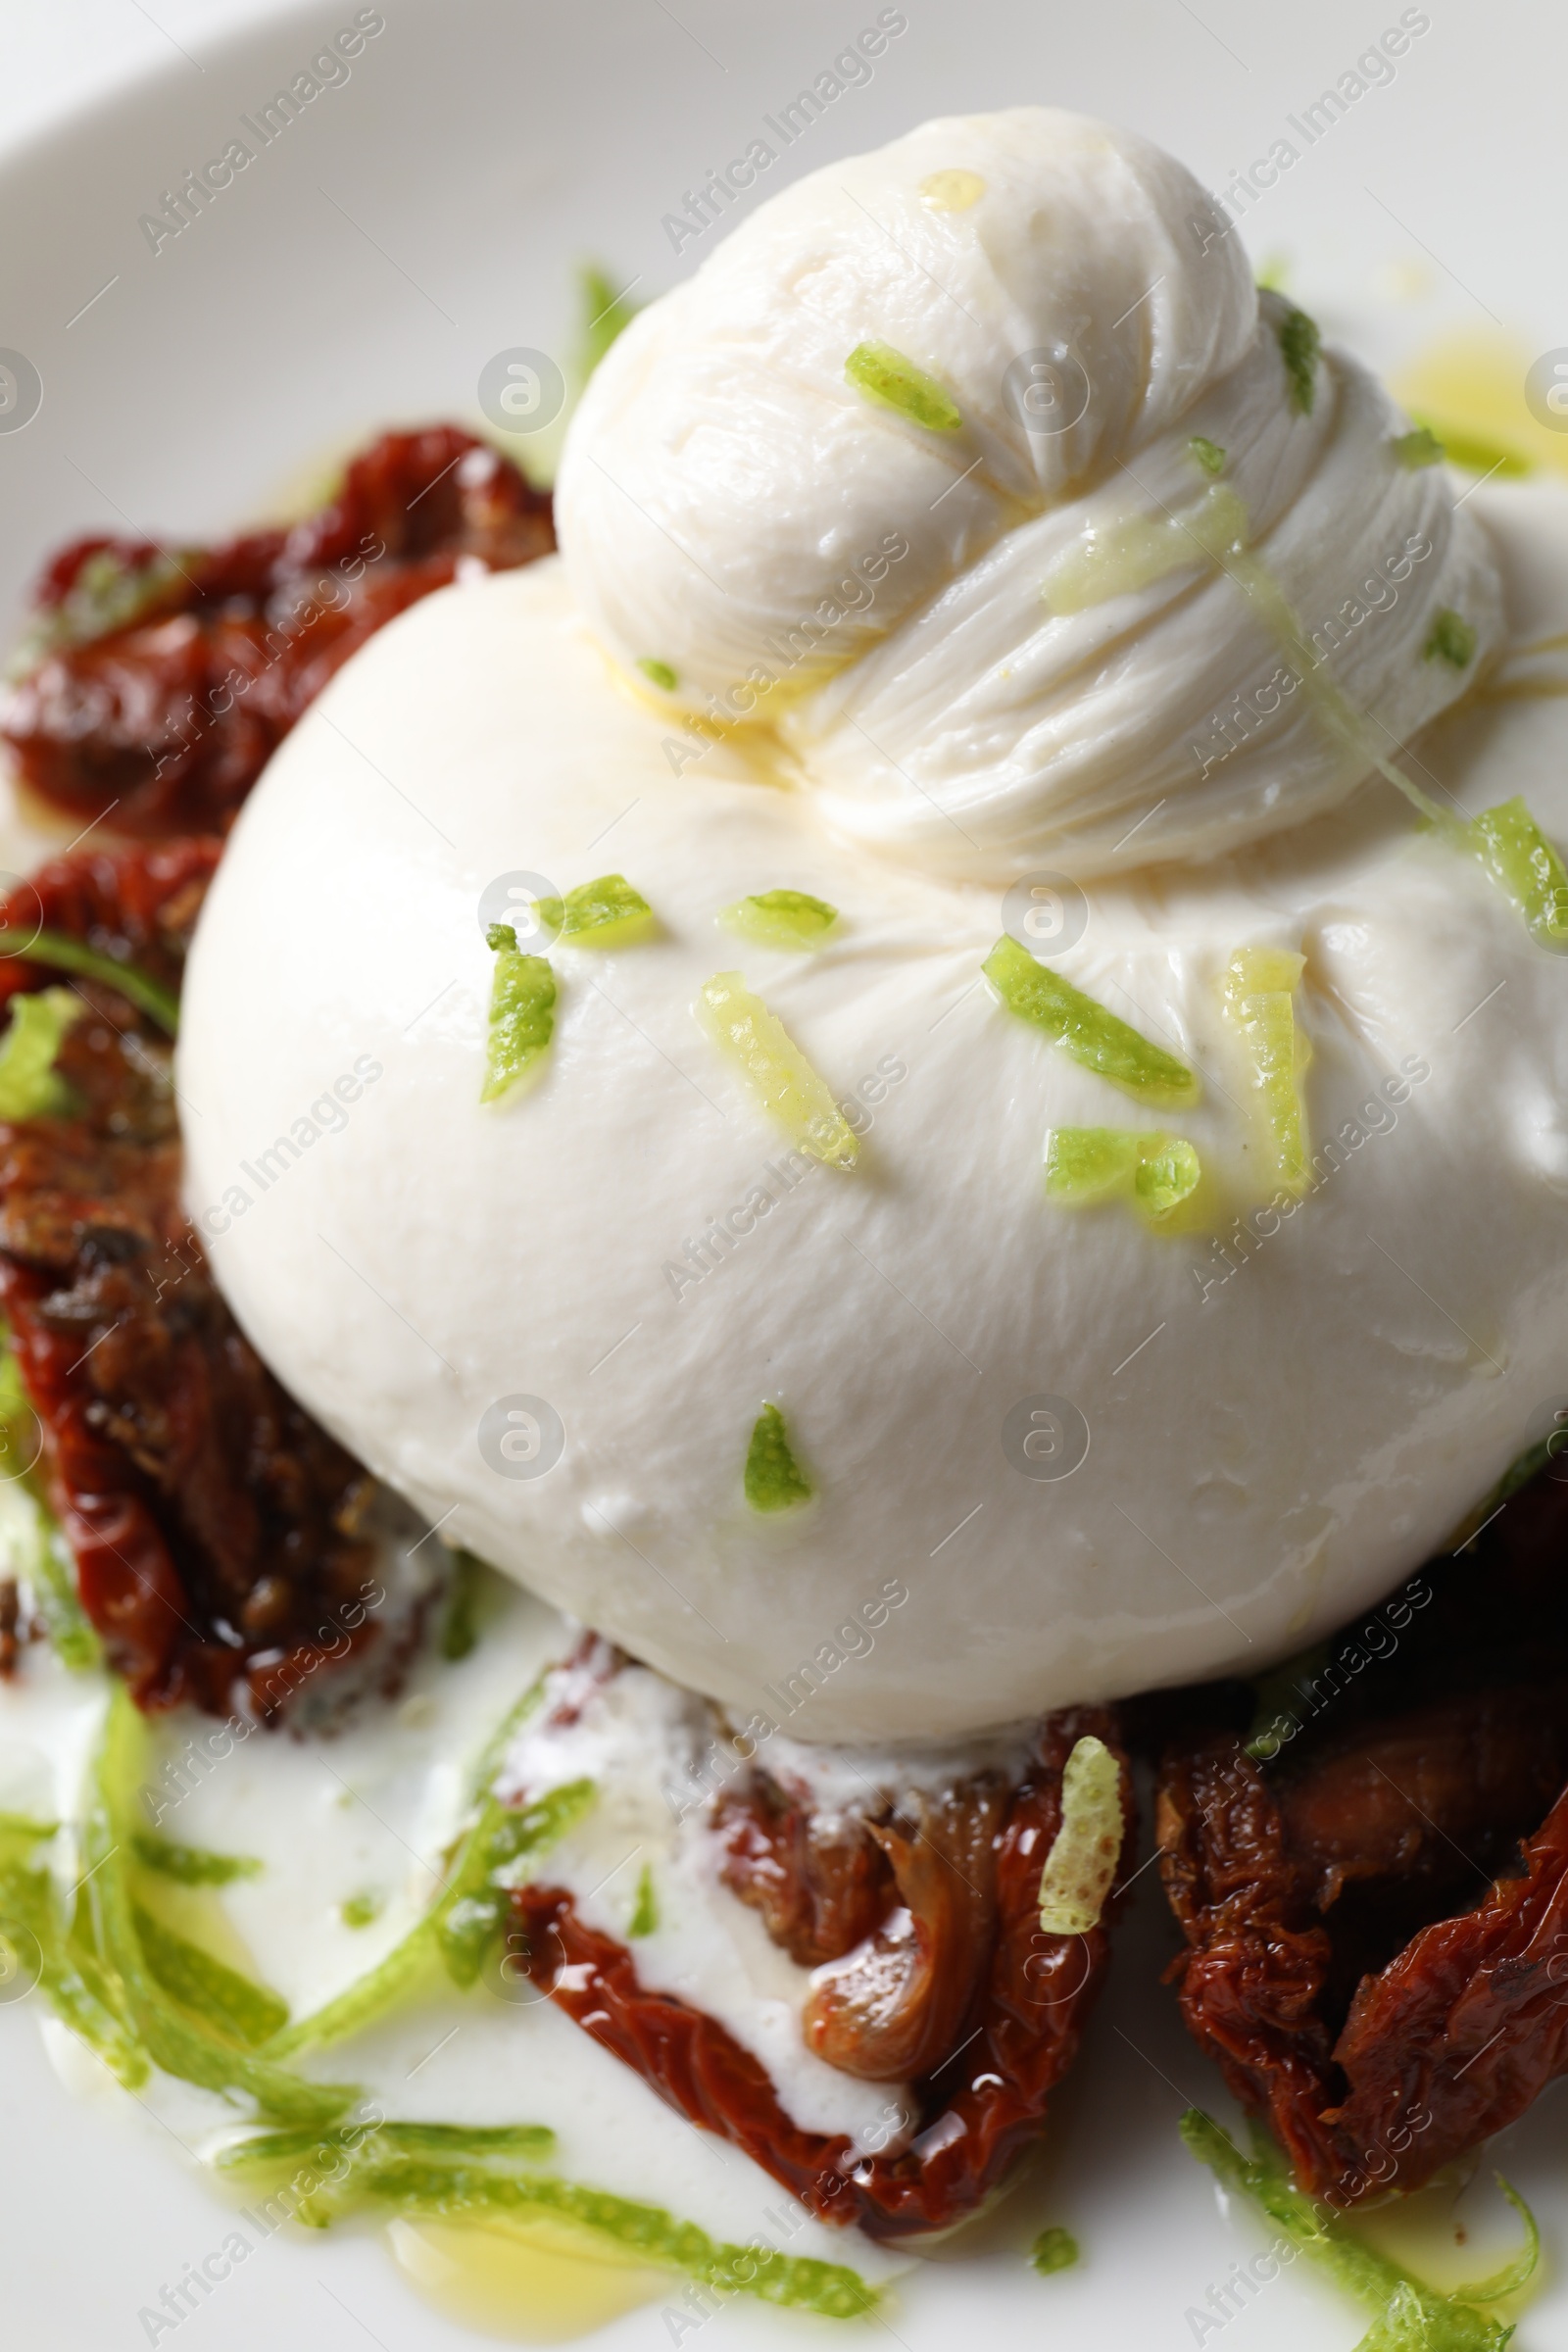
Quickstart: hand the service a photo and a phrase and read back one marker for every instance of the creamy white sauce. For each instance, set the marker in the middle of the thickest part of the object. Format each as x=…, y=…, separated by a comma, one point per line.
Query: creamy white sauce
x=642, y=1741
x=370, y=1807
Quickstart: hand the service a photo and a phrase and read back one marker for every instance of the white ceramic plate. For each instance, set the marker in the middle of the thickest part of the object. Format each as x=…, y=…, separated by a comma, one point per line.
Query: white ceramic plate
x=410, y=224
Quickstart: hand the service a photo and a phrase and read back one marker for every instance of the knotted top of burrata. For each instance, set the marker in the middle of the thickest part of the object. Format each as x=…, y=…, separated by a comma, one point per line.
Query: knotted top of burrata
x=1012, y=617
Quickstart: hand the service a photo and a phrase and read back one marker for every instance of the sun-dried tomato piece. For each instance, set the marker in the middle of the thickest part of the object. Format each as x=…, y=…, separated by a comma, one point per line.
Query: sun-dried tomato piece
x=164, y=721
x=1376, y=1918
x=983, y=2097
x=821, y=1885
x=215, y=1526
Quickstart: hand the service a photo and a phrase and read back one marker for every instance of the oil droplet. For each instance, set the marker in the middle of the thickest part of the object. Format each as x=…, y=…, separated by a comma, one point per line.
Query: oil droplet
x=539, y=2281
x=952, y=191
x=1471, y=389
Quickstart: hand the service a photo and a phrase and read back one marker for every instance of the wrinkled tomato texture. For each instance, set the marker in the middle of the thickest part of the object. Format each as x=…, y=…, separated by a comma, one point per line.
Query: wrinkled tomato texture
x=937, y=1926
x=211, y=1523
x=1376, y=1917
x=217, y=1532
x=166, y=721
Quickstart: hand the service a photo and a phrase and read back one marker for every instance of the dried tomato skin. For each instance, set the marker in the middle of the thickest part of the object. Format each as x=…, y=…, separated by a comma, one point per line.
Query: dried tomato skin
x=1034, y=1995
x=211, y=1521
x=1358, y=1980
x=172, y=718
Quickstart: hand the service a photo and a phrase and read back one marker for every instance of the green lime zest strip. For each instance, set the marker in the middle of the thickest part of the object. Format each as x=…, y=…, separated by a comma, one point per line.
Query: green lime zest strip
x=361, y=1910
x=235, y=2005
x=781, y=918
x=776, y=1072
x=773, y=1480
x=470, y=2143
x=645, y=1913
x=1084, y=1853
x=1473, y=454
x=1519, y=858
x=170, y=2037
x=459, y=1629
x=603, y=913
x=1412, y=2317
x=466, y=1914
x=1156, y=1173
x=23, y=1825
x=1209, y=454
x=1299, y=343
x=1055, y=2249
x=1259, y=995
x=69, y=1976
x=192, y=1865
x=473, y=1909
x=1416, y=449
x=39, y=1549
x=67, y=955
x=386, y=2165
x=1091, y=1034
x=886, y=376
x=30, y=1088
x=523, y=1012
x=1450, y=639
x=659, y=673
x=605, y=314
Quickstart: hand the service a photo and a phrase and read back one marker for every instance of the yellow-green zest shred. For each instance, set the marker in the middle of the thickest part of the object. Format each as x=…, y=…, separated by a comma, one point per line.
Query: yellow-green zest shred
x=30, y=1087
x=459, y=1629
x=191, y=1865
x=66, y=954
x=1472, y=454
x=1055, y=2249
x=781, y=918
x=38, y=1547
x=1260, y=1000
x=235, y=2005
x=461, y=1929
x=887, y=377
x=523, y=1012
x=1420, y=446
x=1154, y=1173
x=456, y=2172
x=645, y=1911
x=773, y=1478
x=606, y=314
x=1082, y=1862
x=1299, y=341
x=606, y=912
x=1411, y=2316
x=776, y=1072
x=1085, y=1029
x=53, y=1934
x=1206, y=453
x=659, y=673
x=1450, y=639
x=361, y=1910
x=1117, y=558
x=134, y=1964
x=1522, y=861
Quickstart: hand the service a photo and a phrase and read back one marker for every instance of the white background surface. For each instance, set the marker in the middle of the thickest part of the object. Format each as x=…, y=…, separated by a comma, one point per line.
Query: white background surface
x=406, y=228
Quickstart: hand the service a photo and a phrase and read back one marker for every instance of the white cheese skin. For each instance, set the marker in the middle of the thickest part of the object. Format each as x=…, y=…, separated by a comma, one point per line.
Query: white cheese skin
x=1283, y=1418
x=732, y=506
